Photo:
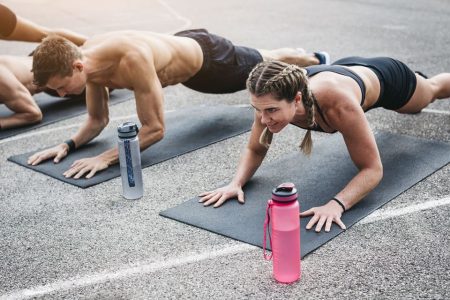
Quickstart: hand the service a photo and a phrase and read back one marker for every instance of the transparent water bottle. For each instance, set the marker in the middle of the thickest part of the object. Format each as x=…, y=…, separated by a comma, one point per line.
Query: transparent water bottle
x=130, y=161
x=283, y=217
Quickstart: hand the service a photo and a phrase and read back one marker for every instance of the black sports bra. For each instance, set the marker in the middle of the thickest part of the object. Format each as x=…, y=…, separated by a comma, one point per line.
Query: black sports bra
x=313, y=70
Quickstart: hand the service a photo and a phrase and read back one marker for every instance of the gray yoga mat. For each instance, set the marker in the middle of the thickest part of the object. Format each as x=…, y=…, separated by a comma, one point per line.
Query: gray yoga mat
x=186, y=130
x=406, y=160
x=56, y=109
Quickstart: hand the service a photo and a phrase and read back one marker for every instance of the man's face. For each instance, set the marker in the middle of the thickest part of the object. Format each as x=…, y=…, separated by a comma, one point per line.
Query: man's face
x=73, y=85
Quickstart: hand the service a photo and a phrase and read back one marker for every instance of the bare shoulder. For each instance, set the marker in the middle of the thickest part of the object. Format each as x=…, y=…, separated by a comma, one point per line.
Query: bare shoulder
x=332, y=93
x=338, y=102
x=8, y=81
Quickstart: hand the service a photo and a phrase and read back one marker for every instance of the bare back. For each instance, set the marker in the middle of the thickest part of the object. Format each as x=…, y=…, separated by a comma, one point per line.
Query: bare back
x=173, y=59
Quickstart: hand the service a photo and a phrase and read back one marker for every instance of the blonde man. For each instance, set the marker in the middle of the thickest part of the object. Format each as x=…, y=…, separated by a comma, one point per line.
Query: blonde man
x=144, y=62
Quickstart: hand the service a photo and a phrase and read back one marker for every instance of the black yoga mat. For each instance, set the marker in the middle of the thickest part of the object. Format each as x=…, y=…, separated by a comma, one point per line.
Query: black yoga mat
x=186, y=130
x=56, y=109
x=406, y=160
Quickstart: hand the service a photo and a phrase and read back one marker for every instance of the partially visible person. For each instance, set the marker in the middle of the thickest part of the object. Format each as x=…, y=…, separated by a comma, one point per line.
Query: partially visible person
x=16, y=79
x=16, y=28
x=330, y=99
x=16, y=90
x=144, y=62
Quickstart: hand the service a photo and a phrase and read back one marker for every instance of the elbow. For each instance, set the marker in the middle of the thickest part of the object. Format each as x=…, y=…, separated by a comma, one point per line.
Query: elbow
x=34, y=116
x=99, y=124
x=104, y=122
x=260, y=152
x=150, y=136
x=377, y=174
x=159, y=134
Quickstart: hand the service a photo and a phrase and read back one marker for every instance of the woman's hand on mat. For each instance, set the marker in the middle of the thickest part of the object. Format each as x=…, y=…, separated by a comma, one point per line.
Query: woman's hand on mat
x=324, y=215
x=90, y=165
x=221, y=195
x=58, y=152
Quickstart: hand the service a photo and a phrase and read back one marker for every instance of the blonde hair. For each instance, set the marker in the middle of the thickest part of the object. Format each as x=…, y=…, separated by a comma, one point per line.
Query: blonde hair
x=54, y=57
x=283, y=81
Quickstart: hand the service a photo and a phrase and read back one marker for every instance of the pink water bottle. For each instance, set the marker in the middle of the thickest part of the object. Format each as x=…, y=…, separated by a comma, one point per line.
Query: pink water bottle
x=283, y=217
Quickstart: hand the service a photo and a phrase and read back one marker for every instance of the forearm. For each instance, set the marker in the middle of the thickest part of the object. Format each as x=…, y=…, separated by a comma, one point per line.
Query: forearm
x=20, y=119
x=146, y=137
x=76, y=38
x=88, y=131
x=362, y=184
x=248, y=164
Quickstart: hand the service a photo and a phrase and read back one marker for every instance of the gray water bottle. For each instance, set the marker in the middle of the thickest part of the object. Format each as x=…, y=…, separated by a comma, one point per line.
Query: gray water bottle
x=130, y=161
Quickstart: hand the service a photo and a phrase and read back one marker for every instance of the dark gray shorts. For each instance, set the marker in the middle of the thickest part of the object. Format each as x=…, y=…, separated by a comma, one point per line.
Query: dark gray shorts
x=397, y=81
x=225, y=67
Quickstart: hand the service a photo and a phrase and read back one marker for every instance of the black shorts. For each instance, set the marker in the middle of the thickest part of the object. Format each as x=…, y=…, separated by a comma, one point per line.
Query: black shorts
x=397, y=81
x=225, y=67
x=8, y=21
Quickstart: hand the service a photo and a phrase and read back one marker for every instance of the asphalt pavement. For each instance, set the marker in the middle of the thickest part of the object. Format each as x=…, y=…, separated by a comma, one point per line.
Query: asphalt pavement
x=62, y=242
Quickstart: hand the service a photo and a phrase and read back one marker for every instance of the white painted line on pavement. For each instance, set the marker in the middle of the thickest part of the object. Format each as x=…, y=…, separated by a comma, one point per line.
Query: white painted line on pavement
x=384, y=214
x=146, y=268
x=25, y=135
x=136, y=270
x=187, y=23
x=435, y=111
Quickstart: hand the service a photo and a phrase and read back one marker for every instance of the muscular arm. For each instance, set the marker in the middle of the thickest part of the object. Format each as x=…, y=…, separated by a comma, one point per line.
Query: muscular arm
x=148, y=92
x=360, y=141
x=252, y=156
x=98, y=114
x=347, y=117
x=28, y=31
x=18, y=99
x=250, y=161
x=97, y=106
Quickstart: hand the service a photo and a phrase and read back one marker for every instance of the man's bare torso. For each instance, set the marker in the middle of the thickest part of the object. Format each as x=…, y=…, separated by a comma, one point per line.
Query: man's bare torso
x=111, y=59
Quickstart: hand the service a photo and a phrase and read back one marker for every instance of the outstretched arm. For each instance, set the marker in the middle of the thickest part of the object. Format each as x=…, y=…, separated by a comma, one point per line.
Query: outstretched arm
x=148, y=92
x=349, y=119
x=250, y=161
x=18, y=99
x=97, y=119
x=28, y=31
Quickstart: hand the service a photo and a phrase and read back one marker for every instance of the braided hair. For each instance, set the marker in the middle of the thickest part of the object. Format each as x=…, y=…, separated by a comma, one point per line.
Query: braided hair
x=283, y=81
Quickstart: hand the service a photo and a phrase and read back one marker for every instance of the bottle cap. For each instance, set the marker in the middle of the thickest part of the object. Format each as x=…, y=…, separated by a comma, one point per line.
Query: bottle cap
x=127, y=130
x=285, y=192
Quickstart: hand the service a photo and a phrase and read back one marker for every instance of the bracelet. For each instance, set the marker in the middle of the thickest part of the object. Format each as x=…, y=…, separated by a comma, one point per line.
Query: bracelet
x=71, y=145
x=339, y=202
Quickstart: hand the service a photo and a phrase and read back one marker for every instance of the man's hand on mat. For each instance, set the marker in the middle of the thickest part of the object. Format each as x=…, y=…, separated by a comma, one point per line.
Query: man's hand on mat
x=58, y=152
x=221, y=195
x=326, y=214
x=90, y=165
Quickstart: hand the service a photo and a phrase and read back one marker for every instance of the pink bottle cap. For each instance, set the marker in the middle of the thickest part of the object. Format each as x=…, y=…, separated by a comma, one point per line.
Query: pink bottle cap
x=285, y=192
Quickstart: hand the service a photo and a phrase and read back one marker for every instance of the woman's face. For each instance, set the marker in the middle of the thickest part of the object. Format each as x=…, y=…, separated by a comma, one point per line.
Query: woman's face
x=273, y=113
